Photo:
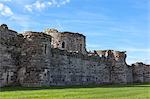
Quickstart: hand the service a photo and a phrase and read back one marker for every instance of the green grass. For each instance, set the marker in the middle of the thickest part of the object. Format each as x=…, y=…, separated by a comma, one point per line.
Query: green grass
x=78, y=92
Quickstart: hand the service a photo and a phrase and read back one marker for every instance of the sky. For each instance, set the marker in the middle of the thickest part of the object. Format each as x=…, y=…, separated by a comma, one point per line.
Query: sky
x=122, y=25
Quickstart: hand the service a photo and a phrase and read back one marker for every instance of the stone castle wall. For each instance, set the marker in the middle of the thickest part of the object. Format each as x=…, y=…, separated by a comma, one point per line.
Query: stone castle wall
x=77, y=69
x=29, y=59
x=117, y=65
x=146, y=73
x=35, y=59
x=120, y=67
x=129, y=73
x=141, y=72
x=7, y=56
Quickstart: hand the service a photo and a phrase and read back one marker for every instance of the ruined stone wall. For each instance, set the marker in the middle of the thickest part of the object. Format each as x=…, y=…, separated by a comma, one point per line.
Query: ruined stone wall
x=146, y=73
x=119, y=70
x=56, y=37
x=28, y=59
x=7, y=56
x=116, y=61
x=72, y=42
x=77, y=69
x=141, y=72
x=129, y=73
x=138, y=70
x=35, y=59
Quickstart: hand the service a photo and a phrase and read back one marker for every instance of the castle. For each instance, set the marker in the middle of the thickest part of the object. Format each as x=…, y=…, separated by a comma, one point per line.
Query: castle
x=53, y=58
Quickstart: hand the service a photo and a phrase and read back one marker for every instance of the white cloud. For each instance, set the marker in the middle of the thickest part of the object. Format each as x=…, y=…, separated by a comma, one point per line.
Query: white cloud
x=28, y=7
x=37, y=5
x=5, y=10
x=40, y=5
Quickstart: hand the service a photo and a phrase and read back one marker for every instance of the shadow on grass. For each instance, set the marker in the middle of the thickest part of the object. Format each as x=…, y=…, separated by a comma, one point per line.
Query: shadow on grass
x=19, y=88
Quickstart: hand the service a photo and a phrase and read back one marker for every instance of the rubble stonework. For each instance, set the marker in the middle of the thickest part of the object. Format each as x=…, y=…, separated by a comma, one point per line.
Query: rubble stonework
x=72, y=42
x=7, y=62
x=146, y=73
x=54, y=58
x=141, y=72
x=35, y=59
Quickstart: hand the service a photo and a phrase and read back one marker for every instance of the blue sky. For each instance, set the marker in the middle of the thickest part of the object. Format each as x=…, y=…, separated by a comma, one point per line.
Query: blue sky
x=108, y=24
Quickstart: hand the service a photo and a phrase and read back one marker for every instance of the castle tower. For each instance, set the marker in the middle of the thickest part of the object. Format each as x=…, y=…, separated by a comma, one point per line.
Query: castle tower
x=119, y=69
x=36, y=59
x=7, y=54
x=72, y=42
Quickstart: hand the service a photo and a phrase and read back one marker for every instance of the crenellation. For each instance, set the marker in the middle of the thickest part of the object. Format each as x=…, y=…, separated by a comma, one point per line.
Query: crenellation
x=53, y=58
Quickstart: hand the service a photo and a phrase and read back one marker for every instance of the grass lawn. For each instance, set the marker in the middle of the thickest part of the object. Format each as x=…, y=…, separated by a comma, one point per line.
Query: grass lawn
x=78, y=92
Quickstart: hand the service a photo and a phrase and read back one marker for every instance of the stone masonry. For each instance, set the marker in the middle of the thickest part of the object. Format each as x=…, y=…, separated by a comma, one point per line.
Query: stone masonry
x=53, y=58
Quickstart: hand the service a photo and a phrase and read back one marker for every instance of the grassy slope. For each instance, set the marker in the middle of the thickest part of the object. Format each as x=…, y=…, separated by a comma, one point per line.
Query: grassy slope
x=78, y=92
